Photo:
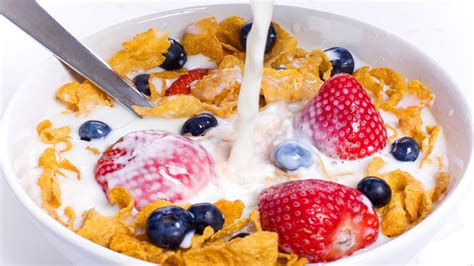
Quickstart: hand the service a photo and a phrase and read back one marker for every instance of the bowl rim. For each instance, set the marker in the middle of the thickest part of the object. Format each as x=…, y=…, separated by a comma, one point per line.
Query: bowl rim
x=60, y=231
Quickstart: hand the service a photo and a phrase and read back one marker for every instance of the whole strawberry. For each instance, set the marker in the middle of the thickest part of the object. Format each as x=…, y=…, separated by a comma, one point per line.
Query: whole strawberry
x=341, y=121
x=154, y=164
x=317, y=219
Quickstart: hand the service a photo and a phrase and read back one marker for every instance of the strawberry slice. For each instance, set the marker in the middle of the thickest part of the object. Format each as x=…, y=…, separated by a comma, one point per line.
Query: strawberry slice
x=341, y=121
x=317, y=219
x=183, y=84
x=154, y=164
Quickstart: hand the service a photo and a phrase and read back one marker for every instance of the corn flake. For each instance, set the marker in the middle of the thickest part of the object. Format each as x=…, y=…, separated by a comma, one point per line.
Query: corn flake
x=201, y=38
x=121, y=197
x=394, y=218
x=176, y=106
x=128, y=245
x=146, y=50
x=232, y=210
x=441, y=185
x=285, y=45
x=282, y=85
x=50, y=190
x=81, y=97
x=228, y=32
x=428, y=147
x=374, y=166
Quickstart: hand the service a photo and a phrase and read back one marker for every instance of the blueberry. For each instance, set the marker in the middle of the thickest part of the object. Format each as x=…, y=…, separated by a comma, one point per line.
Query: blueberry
x=341, y=60
x=271, y=37
x=405, y=149
x=291, y=155
x=206, y=214
x=167, y=226
x=175, y=57
x=93, y=129
x=141, y=82
x=239, y=235
x=376, y=189
x=280, y=67
x=199, y=124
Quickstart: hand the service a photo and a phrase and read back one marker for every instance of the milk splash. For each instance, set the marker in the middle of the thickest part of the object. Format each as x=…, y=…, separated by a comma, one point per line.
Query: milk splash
x=248, y=102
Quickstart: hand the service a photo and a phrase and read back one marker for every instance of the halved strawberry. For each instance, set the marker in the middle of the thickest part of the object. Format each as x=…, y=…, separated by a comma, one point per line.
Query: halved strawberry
x=341, y=121
x=317, y=219
x=154, y=164
x=183, y=84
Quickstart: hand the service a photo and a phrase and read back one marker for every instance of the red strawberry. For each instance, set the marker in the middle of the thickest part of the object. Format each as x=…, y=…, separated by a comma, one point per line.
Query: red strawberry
x=319, y=220
x=183, y=84
x=154, y=164
x=341, y=121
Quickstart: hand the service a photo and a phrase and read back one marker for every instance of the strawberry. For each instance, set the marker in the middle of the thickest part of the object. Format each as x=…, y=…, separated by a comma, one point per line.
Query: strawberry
x=341, y=121
x=183, y=84
x=154, y=164
x=317, y=219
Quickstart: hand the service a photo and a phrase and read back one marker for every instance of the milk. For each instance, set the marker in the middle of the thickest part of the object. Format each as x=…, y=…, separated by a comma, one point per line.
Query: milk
x=249, y=95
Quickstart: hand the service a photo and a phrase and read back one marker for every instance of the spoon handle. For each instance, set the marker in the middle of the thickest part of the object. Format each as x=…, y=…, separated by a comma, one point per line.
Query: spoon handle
x=35, y=21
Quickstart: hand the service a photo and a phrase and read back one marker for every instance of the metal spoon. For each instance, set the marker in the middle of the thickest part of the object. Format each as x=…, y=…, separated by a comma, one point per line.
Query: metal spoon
x=35, y=21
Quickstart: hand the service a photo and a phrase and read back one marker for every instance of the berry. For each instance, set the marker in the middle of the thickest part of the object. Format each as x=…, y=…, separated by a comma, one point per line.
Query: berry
x=271, y=36
x=183, y=84
x=341, y=60
x=239, y=235
x=175, y=56
x=167, y=226
x=341, y=121
x=93, y=129
x=204, y=215
x=155, y=164
x=376, y=189
x=199, y=124
x=142, y=83
x=290, y=155
x=405, y=149
x=317, y=219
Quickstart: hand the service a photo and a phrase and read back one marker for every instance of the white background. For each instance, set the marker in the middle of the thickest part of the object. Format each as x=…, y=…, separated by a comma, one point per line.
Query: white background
x=443, y=30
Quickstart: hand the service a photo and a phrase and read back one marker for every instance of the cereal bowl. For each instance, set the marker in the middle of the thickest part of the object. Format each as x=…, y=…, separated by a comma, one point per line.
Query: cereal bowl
x=310, y=27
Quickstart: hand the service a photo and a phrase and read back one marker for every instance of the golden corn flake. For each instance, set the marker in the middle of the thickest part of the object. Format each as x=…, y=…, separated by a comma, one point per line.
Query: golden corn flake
x=71, y=216
x=146, y=50
x=198, y=240
x=100, y=229
x=282, y=85
x=441, y=185
x=428, y=147
x=254, y=218
x=50, y=190
x=290, y=260
x=201, y=38
x=128, y=245
x=219, y=86
x=81, y=97
x=389, y=77
x=394, y=218
x=230, y=229
x=374, y=166
x=224, y=111
x=410, y=122
x=50, y=135
x=421, y=91
x=373, y=87
x=176, y=106
x=232, y=210
x=48, y=160
x=228, y=32
x=121, y=197
x=413, y=193
x=285, y=44
x=93, y=150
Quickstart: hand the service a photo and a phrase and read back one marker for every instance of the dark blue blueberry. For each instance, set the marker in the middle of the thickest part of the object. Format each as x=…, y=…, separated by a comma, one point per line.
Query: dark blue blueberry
x=198, y=124
x=280, y=67
x=291, y=155
x=376, y=189
x=239, y=235
x=175, y=56
x=93, y=129
x=167, y=226
x=341, y=60
x=204, y=215
x=405, y=149
x=271, y=37
x=141, y=82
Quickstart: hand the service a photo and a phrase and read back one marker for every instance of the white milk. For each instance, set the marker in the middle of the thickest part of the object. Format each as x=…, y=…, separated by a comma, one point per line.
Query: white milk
x=244, y=146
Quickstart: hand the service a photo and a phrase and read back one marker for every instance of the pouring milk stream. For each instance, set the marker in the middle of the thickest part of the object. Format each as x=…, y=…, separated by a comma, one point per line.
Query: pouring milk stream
x=248, y=102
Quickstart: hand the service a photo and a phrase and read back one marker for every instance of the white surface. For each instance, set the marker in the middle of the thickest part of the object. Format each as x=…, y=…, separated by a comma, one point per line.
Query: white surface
x=441, y=30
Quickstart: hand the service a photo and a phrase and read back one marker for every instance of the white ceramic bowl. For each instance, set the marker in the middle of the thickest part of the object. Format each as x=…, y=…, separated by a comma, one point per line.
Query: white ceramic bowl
x=313, y=29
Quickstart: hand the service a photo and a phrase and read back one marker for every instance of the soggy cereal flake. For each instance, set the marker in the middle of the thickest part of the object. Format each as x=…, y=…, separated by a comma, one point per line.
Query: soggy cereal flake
x=50, y=190
x=421, y=91
x=130, y=246
x=232, y=210
x=228, y=32
x=394, y=218
x=282, y=85
x=441, y=185
x=176, y=106
x=71, y=216
x=374, y=166
x=290, y=260
x=48, y=160
x=146, y=50
x=121, y=197
x=93, y=150
x=139, y=221
x=428, y=147
x=80, y=98
x=220, y=86
x=100, y=229
x=230, y=229
x=223, y=111
x=201, y=38
x=285, y=45
x=198, y=240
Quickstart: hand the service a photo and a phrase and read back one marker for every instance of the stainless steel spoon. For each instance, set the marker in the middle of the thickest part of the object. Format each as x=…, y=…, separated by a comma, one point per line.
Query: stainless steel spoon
x=35, y=21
